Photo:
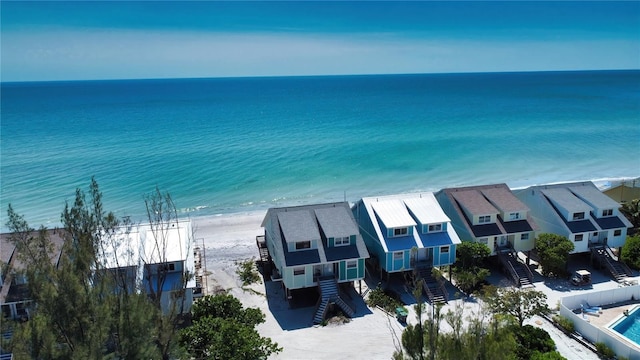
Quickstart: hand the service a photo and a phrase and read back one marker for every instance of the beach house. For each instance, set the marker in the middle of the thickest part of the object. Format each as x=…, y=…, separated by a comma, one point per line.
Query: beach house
x=15, y=298
x=494, y=216
x=407, y=232
x=315, y=246
x=584, y=215
x=155, y=258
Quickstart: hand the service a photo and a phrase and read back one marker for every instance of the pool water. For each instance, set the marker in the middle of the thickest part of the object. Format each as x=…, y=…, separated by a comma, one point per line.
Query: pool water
x=629, y=326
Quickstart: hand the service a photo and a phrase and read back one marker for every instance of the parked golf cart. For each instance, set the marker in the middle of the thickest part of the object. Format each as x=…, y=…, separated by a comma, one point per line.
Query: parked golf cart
x=581, y=277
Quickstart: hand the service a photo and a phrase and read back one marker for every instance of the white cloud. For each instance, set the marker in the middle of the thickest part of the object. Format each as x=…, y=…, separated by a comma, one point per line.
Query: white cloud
x=61, y=54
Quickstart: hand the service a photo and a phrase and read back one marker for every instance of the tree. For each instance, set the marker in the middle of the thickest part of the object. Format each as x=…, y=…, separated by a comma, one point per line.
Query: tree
x=467, y=272
x=530, y=340
x=470, y=254
x=86, y=309
x=223, y=329
x=632, y=211
x=520, y=304
x=553, y=251
x=630, y=253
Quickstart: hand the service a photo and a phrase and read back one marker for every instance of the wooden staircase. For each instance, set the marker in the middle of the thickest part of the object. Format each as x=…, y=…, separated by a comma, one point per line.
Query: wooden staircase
x=605, y=257
x=435, y=291
x=519, y=272
x=330, y=294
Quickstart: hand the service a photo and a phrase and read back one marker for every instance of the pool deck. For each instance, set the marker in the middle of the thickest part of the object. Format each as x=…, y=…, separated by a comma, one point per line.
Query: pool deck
x=608, y=315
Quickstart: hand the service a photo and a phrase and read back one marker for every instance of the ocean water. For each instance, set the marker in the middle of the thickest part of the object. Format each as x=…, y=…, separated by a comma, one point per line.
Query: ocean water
x=242, y=144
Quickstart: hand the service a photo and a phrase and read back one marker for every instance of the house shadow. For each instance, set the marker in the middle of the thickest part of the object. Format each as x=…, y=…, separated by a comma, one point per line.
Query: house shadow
x=297, y=311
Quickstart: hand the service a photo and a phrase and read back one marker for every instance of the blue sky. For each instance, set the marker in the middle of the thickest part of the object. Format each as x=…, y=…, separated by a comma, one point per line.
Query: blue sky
x=115, y=40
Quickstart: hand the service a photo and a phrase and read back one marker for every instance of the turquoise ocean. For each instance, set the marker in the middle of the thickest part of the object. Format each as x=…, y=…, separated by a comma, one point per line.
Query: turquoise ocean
x=231, y=145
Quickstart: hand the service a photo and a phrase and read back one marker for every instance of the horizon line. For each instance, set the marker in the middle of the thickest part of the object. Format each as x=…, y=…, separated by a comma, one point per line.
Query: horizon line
x=314, y=75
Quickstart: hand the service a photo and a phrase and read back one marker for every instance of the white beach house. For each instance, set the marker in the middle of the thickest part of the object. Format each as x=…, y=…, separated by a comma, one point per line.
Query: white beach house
x=158, y=260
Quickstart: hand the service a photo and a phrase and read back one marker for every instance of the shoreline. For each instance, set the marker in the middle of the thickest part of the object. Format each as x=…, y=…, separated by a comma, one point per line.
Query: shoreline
x=200, y=216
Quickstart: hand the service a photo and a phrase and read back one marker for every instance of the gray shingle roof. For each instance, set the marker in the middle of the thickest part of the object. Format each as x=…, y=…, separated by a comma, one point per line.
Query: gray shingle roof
x=565, y=199
x=612, y=222
x=301, y=223
x=590, y=194
x=336, y=222
x=298, y=226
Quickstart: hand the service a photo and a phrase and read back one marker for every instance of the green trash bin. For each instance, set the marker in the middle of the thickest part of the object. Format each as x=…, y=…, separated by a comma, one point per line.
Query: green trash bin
x=401, y=314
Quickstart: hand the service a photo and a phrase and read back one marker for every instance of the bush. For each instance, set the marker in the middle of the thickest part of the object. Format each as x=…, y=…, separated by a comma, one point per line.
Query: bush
x=630, y=253
x=553, y=251
x=247, y=272
x=531, y=339
x=564, y=323
x=604, y=350
x=385, y=300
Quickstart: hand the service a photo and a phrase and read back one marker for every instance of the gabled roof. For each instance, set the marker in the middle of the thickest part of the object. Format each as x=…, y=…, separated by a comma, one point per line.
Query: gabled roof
x=502, y=197
x=298, y=226
x=474, y=202
x=591, y=195
x=393, y=213
x=426, y=209
x=336, y=222
x=333, y=219
x=422, y=206
x=476, y=197
x=561, y=196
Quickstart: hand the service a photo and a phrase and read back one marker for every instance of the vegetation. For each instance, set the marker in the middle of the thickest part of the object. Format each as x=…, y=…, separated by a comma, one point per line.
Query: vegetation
x=630, y=253
x=520, y=304
x=223, y=329
x=475, y=335
x=632, y=211
x=605, y=351
x=553, y=251
x=532, y=340
x=81, y=309
x=468, y=273
x=564, y=323
x=383, y=299
x=247, y=272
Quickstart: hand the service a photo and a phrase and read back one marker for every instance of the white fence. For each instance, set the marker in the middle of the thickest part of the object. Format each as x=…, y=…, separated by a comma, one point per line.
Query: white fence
x=593, y=333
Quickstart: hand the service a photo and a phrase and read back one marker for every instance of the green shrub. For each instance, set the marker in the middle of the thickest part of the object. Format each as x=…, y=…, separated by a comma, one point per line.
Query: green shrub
x=564, y=323
x=604, y=350
x=247, y=272
x=378, y=297
x=531, y=339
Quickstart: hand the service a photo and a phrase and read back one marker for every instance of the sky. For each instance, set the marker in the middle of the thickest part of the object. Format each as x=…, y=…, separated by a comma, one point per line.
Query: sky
x=91, y=40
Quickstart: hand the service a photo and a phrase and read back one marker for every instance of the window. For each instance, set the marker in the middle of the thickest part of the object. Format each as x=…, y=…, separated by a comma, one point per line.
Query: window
x=514, y=216
x=352, y=264
x=524, y=236
x=300, y=245
x=444, y=250
x=617, y=232
x=398, y=255
x=400, y=231
x=607, y=212
x=578, y=237
x=483, y=241
x=341, y=241
x=298, y=270
x=484, y=219
x=436, y=227
x=578, y=216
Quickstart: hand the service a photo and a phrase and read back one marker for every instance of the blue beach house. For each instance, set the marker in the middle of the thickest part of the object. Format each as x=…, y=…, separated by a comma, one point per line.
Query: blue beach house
x=406, y=232
x=315, y=246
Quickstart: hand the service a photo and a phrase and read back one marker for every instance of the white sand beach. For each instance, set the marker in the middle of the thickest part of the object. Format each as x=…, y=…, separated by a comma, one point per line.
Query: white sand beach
x=371, y=334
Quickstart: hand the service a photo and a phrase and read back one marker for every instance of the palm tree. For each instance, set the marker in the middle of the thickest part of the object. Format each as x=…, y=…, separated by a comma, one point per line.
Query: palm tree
x=632, y=211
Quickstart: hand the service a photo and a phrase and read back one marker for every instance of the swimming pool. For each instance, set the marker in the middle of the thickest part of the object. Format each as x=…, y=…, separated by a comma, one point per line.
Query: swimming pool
x=629, y=326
